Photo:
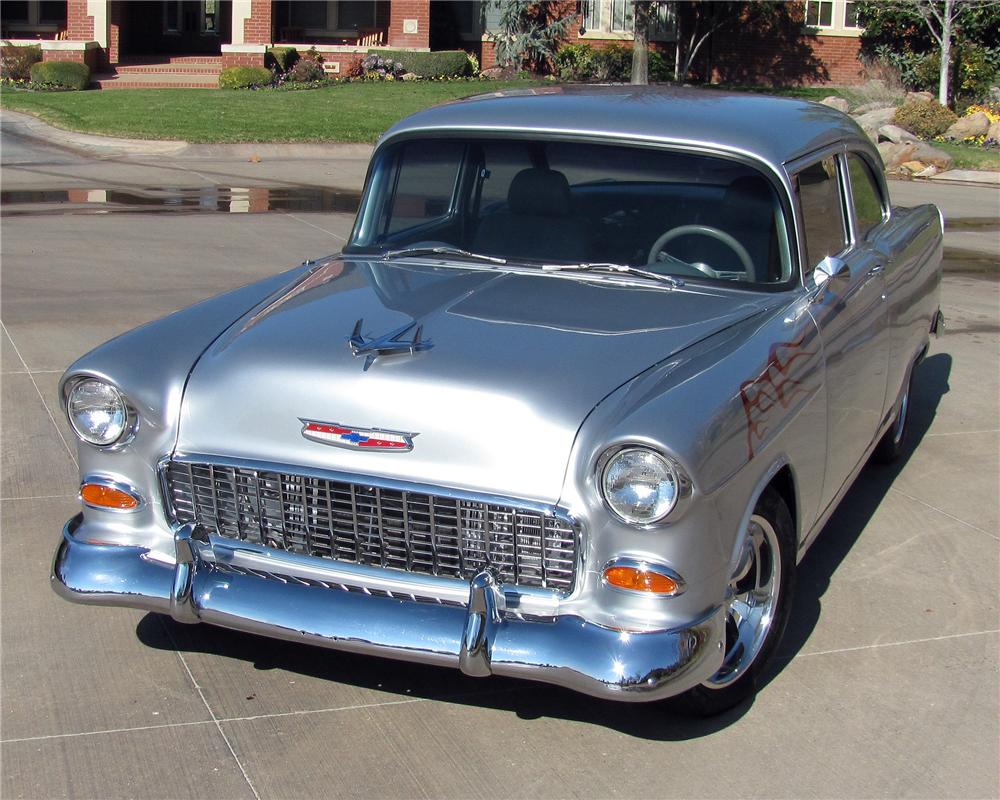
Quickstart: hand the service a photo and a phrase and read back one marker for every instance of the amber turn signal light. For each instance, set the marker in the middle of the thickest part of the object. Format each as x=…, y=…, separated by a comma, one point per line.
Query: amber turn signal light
x=101, y=496
x=640, y=580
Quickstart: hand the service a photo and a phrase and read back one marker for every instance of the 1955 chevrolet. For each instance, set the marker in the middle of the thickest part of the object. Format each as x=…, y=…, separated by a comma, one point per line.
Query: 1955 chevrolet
x=592, y=372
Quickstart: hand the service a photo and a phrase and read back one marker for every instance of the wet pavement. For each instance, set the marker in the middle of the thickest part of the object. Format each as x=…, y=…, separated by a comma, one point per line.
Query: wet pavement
x=886, y=684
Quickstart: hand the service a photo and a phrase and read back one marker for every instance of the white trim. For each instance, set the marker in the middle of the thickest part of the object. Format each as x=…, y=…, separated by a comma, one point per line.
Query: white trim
x=244, y=48
x=608, y=36
x=66, y=45
x=98, y=9
x=242, y=11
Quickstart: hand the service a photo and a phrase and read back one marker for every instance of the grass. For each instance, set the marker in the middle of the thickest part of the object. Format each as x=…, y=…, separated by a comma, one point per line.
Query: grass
x=347, y=112
x=970, y=156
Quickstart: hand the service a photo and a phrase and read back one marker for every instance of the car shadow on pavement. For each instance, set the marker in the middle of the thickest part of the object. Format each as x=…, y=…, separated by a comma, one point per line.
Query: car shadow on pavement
x=842, y=530
x=529, y=701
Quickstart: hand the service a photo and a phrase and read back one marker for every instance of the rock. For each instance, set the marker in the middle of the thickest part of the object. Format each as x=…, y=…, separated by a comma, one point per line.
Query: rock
x=895, y=155
x=927, y=172
x=871, y=121
x=968, y=127
x=408, y=76
x=492, y=74
x=896, y=135
x=913, y=167
x=838, y=103
x=918, y=97
x=932, y=155
x=994, y=132
x=875, y=106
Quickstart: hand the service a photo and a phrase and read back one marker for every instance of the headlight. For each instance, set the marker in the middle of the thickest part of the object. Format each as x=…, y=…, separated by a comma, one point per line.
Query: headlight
x=640, y=485
x=97, y=412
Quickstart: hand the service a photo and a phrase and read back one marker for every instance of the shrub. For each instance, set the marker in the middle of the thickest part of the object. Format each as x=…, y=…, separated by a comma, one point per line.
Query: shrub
x=244, y=77
x=15, y=61
x=61, y=74
x=660, y=69
x=925, y=120
x=282, y=58
x=439, y=64
x=473, y=64
x=306, y=70
x=575, y=62
x=613, y=63
x=376, y=67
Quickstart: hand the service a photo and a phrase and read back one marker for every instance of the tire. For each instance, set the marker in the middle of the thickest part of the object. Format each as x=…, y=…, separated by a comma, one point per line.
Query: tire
x=752, y=641
x=891, y=445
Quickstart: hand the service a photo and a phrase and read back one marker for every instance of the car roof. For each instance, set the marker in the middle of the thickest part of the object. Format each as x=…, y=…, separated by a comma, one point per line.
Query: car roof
x=774, y=129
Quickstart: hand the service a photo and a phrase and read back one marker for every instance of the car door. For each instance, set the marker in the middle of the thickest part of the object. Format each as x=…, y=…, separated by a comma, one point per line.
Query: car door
x=850, y=311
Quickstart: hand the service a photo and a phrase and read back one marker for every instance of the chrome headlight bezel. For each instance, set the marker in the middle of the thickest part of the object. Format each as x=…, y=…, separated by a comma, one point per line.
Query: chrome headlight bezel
x=129, y=422
x=681, y=481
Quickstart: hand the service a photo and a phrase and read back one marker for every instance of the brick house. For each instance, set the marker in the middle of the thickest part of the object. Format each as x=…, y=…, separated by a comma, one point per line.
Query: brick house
x=111, y=33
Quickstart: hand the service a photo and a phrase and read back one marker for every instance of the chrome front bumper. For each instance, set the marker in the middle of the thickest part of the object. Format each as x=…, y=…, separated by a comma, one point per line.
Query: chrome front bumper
x=480, y=638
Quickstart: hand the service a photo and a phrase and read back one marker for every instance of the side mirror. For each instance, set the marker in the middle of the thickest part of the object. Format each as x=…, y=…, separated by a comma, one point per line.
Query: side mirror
x=831, y=271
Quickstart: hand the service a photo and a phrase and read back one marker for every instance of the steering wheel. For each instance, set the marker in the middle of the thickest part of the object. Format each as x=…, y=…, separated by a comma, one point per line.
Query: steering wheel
x=712, y=233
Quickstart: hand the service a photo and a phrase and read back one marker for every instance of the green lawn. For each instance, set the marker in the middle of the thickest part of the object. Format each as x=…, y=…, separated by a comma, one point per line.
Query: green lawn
x=347, y=112
x=969, y=156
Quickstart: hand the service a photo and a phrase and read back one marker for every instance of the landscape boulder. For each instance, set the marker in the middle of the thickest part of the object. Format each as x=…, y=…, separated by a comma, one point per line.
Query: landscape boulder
x=896, y=135
x=968, y=127
x=933, y=156
x=871, y=121
x=838, y=103
x=918, y=97
x=994, y=132
x=895, y=155
x=864, y=108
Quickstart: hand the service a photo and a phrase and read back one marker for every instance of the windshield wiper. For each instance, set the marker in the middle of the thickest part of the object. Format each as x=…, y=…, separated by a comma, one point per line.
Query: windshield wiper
x=441, y=250
x=607, y=266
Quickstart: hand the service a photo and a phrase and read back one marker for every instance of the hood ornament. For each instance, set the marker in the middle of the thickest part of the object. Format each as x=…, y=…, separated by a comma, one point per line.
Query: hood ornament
x=391, y=344
x=352, y=438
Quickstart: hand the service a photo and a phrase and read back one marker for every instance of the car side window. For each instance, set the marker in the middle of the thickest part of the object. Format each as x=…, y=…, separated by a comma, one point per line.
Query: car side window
x=868, y=210
x=424, y=186
x=822, y=211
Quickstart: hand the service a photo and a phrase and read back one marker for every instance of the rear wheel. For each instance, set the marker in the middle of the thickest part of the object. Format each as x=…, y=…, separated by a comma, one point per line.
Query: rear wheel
x=757, y=606
x=890, y=447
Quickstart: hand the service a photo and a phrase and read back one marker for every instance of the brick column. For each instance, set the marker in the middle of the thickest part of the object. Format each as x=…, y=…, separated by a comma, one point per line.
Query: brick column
x=404, y=15
x=114, y=31
x=257, y=28
x=79, y=24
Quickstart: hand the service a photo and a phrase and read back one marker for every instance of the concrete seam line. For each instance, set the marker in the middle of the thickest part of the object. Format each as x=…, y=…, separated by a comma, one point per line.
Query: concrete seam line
x=897, y=644
x=38, y=497
x=961, y=433
x=107, y=730
x=41, y=397
x=317, y=227
x=945, y=513
x=208, y=707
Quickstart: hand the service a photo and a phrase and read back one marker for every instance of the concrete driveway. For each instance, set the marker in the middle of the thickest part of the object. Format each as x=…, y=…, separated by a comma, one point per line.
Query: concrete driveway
x=887, y=684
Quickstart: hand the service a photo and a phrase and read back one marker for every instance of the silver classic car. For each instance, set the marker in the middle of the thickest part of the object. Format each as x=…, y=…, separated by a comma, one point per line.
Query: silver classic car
x=591, y=374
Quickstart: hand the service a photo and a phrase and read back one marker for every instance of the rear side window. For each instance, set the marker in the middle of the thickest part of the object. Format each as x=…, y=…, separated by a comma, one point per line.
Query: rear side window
x=822, y=211
x=425, y=183
x=867, y=199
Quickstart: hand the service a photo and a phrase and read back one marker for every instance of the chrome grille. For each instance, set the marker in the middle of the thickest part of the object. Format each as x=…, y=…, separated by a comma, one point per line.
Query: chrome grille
x=362, y=524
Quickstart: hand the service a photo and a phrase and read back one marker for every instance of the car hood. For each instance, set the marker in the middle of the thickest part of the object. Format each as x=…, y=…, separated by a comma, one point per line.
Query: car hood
x=511, y=365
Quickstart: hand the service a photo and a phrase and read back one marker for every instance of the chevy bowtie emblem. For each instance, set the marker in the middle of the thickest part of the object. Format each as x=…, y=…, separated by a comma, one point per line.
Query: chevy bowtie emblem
x=357, y=438
x=392, y=344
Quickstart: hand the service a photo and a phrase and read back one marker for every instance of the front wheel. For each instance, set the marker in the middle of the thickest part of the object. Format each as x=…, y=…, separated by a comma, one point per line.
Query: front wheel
x=757, y=606
x=890, y=447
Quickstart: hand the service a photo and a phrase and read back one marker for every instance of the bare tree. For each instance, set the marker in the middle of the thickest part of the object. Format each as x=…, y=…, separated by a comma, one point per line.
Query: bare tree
x=697, y=20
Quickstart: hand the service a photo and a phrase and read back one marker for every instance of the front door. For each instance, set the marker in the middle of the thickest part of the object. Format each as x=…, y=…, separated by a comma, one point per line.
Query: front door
x=852, y=316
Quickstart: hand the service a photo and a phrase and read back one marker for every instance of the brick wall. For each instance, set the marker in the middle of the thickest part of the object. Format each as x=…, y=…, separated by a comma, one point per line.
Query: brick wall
x=400, y=10
x=257, y=28
x=242, y=60
x=93, y=57
x=841, y=55
x=114, y=31
x=79, y=26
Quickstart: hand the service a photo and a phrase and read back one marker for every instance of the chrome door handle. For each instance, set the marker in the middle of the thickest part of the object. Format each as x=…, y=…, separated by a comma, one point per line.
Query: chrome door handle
x=876, y=269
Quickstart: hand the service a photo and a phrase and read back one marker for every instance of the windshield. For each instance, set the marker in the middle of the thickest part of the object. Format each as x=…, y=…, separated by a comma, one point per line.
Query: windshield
x=575, y=203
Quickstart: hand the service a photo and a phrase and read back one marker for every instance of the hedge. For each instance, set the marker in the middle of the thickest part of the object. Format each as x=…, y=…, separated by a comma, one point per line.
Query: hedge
x=283, y=58
x=439, y=64
x=61, y=74
x=244, y=77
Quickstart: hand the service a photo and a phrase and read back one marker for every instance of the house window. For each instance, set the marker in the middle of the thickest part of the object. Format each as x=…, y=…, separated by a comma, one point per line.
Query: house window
x=331, y=18
x=832, y=15
x=32, y=14
x=613, y=19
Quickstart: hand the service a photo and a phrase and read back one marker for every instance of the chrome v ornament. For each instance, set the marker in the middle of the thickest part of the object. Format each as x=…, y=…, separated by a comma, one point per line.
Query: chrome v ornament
x=390, y=344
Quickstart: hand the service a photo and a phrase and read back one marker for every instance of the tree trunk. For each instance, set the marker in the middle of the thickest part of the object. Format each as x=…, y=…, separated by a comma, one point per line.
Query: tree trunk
x=678, y=78
x=640, y=46
x=943, y=83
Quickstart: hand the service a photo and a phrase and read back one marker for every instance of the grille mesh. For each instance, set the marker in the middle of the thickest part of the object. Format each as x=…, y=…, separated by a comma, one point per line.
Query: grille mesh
x=353, y=522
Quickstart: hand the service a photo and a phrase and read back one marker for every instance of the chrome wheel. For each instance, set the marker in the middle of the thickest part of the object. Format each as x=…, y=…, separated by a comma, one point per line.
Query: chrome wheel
x=753, y=597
